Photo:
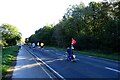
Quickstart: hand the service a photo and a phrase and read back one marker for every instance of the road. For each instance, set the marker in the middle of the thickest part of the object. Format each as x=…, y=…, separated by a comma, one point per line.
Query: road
x=85, y=67
x=28, y=68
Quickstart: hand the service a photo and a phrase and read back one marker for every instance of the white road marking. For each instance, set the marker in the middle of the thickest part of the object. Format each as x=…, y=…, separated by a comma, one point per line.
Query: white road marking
x=41, y=67
x=54, y=60
x=112, y=69
x=48, y=66
x=90, y=56
x=60, y=54
x=44, y=69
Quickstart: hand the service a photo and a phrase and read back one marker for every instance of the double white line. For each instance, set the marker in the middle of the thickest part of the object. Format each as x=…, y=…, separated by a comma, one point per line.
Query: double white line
x=47, y=66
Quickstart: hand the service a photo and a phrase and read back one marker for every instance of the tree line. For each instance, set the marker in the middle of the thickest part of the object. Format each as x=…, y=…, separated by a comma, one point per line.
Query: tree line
x=9, y=35
x=95, y=26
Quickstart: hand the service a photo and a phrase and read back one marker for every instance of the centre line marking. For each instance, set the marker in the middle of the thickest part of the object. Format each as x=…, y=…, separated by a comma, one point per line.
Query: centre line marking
x=112, y=69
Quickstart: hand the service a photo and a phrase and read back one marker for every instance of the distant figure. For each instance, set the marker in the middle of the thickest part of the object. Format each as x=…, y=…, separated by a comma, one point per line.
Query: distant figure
x=19, y=45
x=42, y=44
x=38, y=45
x=33, y=45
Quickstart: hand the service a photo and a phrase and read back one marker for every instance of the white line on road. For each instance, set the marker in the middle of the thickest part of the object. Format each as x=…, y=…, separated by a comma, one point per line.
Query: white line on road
x=44, y=69
x=48, y=66
x=90, y=56
x=61, y=54
x=112, y=69
x=41, y=67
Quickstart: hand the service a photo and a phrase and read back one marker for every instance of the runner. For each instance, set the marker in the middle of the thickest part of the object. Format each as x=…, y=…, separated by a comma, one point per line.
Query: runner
x=33, y=46
x=42, y=45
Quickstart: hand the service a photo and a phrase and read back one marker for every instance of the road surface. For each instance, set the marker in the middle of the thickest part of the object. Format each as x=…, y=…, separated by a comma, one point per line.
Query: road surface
x=55, y=65
x=28, y=68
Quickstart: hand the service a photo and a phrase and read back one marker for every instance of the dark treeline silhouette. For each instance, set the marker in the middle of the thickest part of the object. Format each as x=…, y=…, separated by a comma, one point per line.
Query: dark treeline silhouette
x=95, y=26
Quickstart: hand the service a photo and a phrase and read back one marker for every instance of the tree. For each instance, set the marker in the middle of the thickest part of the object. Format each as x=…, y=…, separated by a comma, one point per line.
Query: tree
x=10, y=35
x=95, y=26
x=42, y=35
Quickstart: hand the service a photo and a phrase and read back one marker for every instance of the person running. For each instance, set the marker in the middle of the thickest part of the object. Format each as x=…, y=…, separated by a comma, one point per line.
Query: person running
x=38, y=45
x=33, y=46
x=42, y=45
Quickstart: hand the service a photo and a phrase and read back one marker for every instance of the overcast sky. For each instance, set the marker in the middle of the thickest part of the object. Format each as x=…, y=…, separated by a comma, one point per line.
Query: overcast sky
x=30, y=15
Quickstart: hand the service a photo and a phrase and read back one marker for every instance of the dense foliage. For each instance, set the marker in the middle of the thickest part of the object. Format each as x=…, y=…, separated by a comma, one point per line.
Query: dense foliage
x=8, y=56
x=10, y=35
x=95, y=26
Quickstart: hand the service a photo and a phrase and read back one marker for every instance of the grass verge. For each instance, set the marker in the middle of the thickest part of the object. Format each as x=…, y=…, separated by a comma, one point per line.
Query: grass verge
x=8, y=56
x=111, y=56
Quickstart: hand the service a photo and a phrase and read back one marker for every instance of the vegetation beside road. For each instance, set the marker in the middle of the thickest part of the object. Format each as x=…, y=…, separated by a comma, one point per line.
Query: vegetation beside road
x=8, y=56
x=113, y=56
x=10, y=36
x=94, y=27
x=96, y=53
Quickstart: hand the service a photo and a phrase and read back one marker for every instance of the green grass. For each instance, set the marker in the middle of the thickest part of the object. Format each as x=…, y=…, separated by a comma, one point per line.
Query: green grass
x=96, y=53
x=112, y=56
x=8, y=56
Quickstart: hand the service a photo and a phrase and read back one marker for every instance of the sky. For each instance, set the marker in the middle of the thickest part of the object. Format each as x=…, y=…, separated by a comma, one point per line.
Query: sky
x=30, y=15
